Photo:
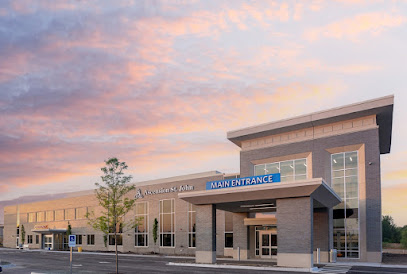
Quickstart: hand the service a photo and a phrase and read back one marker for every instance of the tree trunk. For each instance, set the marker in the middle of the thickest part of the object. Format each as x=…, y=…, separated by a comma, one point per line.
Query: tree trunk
x=117, y=257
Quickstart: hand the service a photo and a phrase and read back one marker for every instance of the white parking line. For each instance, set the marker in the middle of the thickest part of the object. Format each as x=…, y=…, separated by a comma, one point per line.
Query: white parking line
x=104, y=262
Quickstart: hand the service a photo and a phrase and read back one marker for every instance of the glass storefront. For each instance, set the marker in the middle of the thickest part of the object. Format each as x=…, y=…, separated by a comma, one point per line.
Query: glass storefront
x=266, y=241
x=344, y=170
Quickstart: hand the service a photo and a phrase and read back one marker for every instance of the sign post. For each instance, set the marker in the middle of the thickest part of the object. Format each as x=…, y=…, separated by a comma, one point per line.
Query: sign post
x=72, y=243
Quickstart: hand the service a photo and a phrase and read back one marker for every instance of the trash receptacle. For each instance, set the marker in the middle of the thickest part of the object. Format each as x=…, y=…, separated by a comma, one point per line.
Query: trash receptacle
x=332, y=256
x=79, y=249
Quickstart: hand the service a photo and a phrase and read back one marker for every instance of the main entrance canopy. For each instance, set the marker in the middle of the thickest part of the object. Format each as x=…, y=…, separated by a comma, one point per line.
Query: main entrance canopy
x=252, y=198
x=294, y=204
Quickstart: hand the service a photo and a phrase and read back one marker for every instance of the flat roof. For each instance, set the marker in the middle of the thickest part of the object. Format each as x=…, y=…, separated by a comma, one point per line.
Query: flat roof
x=179, y=178
x=381, y=107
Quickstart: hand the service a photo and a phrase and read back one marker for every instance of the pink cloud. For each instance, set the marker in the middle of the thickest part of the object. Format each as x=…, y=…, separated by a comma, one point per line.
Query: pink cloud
x=373, y=23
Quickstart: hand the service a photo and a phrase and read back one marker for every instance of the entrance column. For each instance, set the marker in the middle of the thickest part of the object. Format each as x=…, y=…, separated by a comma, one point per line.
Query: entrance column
x=205, y=234
x=295, y=232
x=323, y=234
x=240, y=237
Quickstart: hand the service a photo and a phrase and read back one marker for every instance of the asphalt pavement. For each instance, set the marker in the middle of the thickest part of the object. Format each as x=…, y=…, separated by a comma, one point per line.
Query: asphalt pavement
x=36, y=262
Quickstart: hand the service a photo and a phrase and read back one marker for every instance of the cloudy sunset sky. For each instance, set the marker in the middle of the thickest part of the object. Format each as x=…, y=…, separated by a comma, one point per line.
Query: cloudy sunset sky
x=159, y=83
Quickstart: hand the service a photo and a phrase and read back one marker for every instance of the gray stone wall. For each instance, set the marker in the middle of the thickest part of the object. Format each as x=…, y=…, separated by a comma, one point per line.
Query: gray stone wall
x=369, y=208
x=295, y=232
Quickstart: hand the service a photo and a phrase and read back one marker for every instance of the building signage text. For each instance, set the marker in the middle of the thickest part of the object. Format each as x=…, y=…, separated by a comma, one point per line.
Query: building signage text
x=247, y=181
x=40, y=227
x=163, y=190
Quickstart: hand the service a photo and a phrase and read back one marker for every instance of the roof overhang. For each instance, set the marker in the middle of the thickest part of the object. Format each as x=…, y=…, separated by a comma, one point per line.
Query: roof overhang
x=381, y=107
x=239, y=199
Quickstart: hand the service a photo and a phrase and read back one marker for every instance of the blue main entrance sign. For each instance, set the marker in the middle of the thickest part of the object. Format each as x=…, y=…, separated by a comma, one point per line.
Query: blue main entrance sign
x=247, y=181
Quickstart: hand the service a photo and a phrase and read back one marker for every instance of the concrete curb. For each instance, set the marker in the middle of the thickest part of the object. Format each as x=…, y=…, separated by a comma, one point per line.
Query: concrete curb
x=271, y=268
x=367, y=264
x=103, y=253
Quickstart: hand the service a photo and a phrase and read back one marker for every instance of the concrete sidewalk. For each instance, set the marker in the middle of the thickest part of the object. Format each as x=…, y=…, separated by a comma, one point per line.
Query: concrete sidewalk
x=251, y=264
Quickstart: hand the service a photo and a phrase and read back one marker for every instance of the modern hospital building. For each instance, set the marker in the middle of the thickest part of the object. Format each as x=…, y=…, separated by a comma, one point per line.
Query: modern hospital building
x=305, y=183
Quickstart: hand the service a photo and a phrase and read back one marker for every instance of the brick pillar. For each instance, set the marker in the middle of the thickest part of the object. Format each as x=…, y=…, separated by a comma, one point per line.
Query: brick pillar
x=295, y=232
x=240, y=237
x=322, y=233
x=205, y=234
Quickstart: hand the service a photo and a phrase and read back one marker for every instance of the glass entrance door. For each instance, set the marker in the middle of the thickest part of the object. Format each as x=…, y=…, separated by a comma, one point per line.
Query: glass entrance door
x=48, y=242
x=268, y=244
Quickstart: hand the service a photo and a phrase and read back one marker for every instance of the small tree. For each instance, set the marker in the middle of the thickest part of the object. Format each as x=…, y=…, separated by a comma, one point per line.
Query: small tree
x=68, y=232
x=155, y=229
x=22, y=234
x=390, y=233
x=111, y=197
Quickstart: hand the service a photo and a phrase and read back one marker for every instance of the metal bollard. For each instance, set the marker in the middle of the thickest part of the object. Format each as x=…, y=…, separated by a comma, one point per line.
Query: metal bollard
x=238, y=253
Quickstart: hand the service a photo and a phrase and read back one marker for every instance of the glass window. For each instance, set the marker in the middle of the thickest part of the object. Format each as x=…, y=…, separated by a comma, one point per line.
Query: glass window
x=260, y=170
x=141, y=230
x=351, y=160
x=59, y=215
x=191, y=225
x=29, y=239
x=228, y=229
x=272, y=168
x=91, y=239
x=228, y=239
x=41, y=216
x=49, y=216
x=292, y=170
x=167, y=223
x=32, y=217
x=287, y=168
x=37, y=239
x=81, y=212
x=118, y=237
x=70, y=214
x=344, y=169
x=78, y=239
x=337, y=161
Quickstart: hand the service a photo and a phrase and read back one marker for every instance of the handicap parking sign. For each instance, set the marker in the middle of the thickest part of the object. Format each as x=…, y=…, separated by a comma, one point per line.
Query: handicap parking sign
x=72, y=240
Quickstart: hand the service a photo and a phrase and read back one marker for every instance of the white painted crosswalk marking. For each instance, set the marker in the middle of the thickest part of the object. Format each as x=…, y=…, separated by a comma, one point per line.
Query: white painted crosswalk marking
x=335, y=269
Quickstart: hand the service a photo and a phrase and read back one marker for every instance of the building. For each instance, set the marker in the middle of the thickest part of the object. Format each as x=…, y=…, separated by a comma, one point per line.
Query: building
x=305, y=183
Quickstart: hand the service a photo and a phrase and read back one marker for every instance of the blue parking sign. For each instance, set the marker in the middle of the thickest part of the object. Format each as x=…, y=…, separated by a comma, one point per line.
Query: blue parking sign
x=72, y=240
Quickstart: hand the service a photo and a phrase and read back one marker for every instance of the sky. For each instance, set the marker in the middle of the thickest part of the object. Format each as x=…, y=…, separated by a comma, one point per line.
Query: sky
x=159, y=83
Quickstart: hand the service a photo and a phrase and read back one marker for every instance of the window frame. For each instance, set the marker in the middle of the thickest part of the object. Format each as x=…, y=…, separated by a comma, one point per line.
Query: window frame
x=191, y=234
x=345, y=230
x=90, y=239
x=263, y=165
x=145, y=221
x=160, y=223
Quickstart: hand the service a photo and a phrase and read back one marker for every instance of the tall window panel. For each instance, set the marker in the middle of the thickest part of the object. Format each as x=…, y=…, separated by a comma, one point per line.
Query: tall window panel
x=141, y=230
x=291, y=170
x=41, y=216
x=167, y=223
x=32, y=217
x=192, y=225
x=228, y=229
x=345, y=182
